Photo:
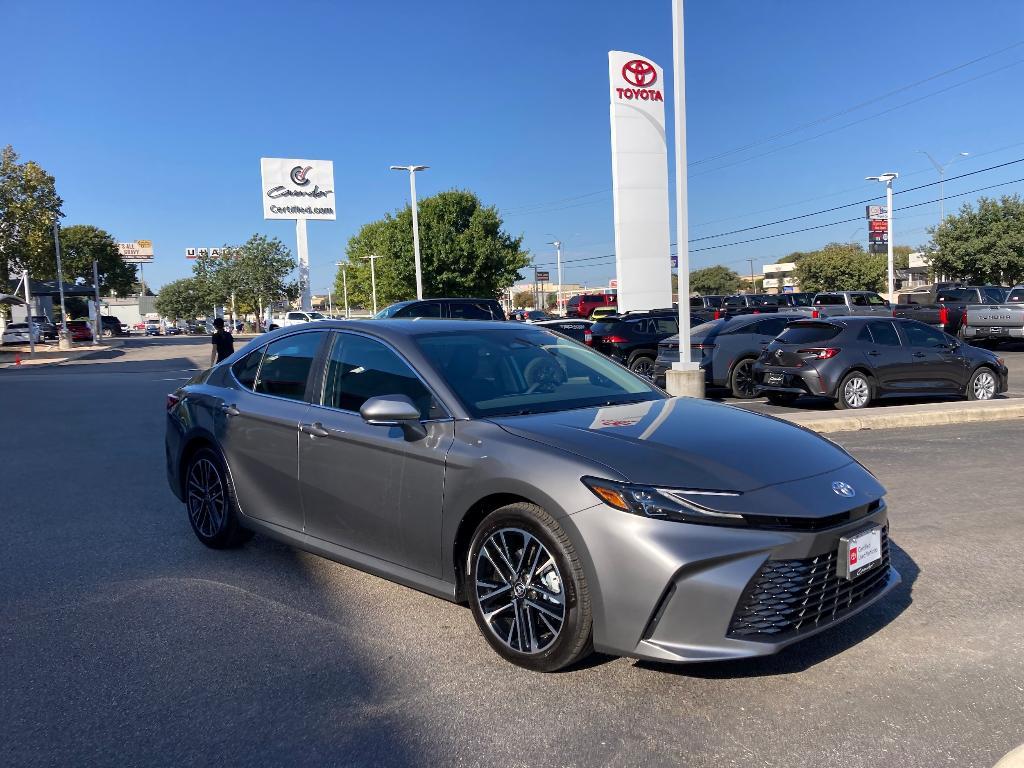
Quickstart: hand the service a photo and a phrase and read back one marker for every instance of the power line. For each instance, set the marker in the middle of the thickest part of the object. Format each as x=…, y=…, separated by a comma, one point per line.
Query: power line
x=850, y=205
x=853, y=108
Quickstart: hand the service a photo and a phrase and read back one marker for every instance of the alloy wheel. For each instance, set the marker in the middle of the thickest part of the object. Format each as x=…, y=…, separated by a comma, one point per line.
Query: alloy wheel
x=856, y=392
x=743, y=379
x=206, y=500
x=520, y=591
x=984, y=386
x=643, y=366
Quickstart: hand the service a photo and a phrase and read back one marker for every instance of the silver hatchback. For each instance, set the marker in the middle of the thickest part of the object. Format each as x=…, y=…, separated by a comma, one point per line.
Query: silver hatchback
x=570, y=503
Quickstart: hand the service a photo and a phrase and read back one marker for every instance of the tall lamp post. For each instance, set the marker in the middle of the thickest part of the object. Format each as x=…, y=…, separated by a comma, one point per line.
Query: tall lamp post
x=941, y=168
x=558, y=259
x=888, y=179
x=415, y=222
x=344, y=283
x=373, y=281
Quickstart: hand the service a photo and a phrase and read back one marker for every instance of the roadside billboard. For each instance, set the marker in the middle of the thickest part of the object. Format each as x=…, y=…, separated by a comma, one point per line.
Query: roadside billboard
x=639, y=181
x=297, y=189
x=136, y=252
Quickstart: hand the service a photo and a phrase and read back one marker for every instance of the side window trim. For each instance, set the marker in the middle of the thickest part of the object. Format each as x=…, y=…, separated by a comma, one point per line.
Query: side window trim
x=317, y=399
x=262, y=350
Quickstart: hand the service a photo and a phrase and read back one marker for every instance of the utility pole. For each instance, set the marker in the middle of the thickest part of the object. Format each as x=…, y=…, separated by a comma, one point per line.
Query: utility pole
x=98, y=333
x=536, y=288
x=941, y=168
x=63, y=344
x=28, y=315
x=373, y=283
x=330, y=303
x=558, y=260
x=753, y=285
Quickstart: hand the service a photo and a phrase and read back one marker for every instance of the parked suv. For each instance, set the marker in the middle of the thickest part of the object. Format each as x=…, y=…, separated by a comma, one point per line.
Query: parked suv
x=584, y=304
x=726, y=350
x=110, y=326
x=442, y=309
x=706, y=307
x=632, y=337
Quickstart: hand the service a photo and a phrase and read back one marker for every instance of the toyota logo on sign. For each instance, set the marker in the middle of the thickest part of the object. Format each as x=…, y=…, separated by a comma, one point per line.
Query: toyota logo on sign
x=640, y=73
x=298, y=175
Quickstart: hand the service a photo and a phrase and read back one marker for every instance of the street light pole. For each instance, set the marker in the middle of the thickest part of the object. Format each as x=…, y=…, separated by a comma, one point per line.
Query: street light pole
x=28, y=313
x=373, y=283
x=753, y=285
x=344, y=284
x=558, y=260
x=888, y=178
x=941, y=168
x=412, y=169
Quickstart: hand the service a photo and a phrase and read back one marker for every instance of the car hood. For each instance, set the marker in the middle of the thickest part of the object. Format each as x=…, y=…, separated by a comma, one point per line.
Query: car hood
x=686, y=443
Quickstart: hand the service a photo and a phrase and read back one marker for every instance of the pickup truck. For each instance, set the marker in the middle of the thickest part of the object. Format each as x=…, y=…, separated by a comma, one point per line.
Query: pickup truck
x=749, y=304
x=996, y=322
x=294, y=318
x=707, y=308
x=946, y=308
x=845, y=303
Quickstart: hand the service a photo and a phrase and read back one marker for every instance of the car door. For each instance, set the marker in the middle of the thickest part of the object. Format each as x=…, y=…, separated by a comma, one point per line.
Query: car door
x=934, y=363
x=371, y=488
x=260, y=429
x=886, y=354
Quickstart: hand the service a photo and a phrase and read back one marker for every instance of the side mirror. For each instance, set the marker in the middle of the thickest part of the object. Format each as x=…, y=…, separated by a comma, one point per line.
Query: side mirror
x=394, y=411
x=888, y=303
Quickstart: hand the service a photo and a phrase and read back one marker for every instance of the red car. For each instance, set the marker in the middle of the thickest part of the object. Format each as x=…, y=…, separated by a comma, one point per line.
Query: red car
x=79, y=330
x=585, y=303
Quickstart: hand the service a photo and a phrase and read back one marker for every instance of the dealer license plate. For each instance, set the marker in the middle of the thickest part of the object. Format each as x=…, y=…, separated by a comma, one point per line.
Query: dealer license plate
x=859, y=552
x=773, y=379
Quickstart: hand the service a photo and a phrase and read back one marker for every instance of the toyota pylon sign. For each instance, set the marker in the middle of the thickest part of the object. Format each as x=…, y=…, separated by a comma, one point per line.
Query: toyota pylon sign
x=297, y=189
x=639, y=181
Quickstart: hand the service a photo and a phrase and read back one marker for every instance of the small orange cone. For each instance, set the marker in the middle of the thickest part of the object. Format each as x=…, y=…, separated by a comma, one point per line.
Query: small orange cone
x=17, y=359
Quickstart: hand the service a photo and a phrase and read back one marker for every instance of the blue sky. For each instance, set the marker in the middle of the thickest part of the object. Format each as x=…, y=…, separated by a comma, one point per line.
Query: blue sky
x=153, y=116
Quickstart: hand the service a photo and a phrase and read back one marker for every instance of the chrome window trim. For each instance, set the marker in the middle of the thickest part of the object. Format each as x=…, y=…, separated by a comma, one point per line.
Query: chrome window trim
x=263, y=348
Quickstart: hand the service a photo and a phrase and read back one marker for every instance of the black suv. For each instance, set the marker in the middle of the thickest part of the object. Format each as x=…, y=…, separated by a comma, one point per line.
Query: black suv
x=444, y=309
x=110, y=326
x=632, y=337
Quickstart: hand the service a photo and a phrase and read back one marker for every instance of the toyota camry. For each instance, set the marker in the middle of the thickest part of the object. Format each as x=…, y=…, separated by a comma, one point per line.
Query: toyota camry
x=570, y=503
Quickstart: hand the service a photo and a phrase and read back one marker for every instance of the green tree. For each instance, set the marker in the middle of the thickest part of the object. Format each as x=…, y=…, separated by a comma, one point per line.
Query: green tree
x=256, y=273
x=523, y=299
x=181, y=300
x=29, y=204
x=983, y=245
x=846, y=267
x=80, y=245
x=463, y=250
x=714, y=280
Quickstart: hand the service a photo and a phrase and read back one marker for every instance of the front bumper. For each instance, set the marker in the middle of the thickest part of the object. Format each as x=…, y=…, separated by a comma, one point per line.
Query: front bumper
x=677, y=592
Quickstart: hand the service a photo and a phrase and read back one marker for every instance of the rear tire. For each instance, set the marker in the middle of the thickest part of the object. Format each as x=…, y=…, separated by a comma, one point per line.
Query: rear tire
x=983, y=385
x=527, y=589
x=210, y=502
x=642, y=365
x=741, y=380
x=854, y=392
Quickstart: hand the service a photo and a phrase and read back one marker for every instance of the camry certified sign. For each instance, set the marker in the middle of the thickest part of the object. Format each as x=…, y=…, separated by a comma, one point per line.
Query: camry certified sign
x=297, y=189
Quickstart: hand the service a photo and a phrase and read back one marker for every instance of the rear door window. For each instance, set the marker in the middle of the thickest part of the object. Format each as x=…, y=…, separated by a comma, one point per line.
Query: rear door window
x=423, y=309
x=470, y=310
x=665, y=326
x=245, y=370
x=884, y=332
x=874, y=300
x=286, y=365
x=808, y=333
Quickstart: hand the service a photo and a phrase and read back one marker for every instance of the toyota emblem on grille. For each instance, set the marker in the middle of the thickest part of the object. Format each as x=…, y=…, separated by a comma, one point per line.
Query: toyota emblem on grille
x=843, y=489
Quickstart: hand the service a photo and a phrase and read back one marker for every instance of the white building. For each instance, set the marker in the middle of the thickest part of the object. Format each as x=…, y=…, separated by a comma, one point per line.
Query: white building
x=779, y=278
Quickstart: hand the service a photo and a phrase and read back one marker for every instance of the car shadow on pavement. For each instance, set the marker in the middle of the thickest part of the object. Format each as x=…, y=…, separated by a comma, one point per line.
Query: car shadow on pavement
x=812, y=651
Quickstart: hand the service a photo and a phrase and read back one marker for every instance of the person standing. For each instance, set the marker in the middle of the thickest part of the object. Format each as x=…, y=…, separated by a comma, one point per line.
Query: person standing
x=223, y=342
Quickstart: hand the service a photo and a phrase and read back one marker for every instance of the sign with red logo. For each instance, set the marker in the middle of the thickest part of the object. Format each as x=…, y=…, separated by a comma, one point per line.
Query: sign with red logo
x=297, y=189
x=638, y=78
x=853, y=555
x=543, y=277
x=878, y=225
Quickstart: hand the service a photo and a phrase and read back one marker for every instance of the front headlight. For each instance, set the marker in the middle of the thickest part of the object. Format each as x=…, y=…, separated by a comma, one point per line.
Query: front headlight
x=681, y=505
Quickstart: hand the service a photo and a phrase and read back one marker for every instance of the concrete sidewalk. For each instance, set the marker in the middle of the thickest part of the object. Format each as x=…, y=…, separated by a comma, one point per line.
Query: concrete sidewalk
x=897, y=416
x=49, y=354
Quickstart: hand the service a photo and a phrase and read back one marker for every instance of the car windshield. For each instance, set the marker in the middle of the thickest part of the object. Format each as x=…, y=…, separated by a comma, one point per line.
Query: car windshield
x=512, y=372
x=388, y=312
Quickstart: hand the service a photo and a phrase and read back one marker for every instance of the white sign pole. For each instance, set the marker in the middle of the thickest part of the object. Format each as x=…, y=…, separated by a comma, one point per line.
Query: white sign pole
x=415, y=234
x=303, y=251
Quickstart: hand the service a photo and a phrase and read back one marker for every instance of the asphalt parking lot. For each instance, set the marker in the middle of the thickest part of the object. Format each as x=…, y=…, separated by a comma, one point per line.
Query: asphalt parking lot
x=125, y=642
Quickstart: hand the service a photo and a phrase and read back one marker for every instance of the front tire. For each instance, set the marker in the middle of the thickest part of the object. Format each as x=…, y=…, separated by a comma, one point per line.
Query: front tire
x=854, y=392
x=642, y=365
x=983, y=385
x=527, y=590
x=741, y=380
x=210, y=502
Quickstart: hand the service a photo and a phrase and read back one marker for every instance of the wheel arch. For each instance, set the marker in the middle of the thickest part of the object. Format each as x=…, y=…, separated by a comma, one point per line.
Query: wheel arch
x=857, y=368
x=467, y=526
x=192, y=444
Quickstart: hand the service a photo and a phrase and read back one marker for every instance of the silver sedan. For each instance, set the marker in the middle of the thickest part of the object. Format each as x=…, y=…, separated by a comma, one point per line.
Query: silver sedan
x=570, y=503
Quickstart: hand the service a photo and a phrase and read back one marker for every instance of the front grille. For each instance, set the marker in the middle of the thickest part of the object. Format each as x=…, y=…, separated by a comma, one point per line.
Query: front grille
x=788, y=597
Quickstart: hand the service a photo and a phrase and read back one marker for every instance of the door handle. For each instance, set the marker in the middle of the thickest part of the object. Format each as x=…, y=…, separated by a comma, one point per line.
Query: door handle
x=874, y=353
x=316, y=429
x=919, y=354
x=230, y=410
